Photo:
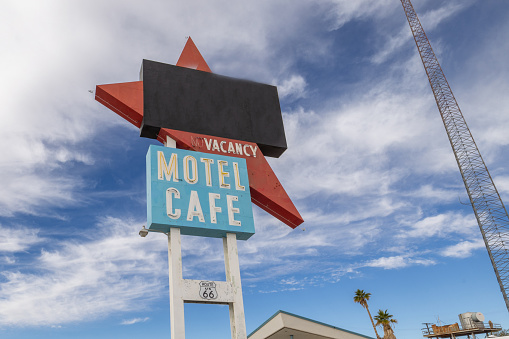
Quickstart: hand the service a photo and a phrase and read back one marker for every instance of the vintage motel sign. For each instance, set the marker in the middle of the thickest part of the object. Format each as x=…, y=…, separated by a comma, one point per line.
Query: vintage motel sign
x=202, y=194
x=232, y=124
x=188, y=103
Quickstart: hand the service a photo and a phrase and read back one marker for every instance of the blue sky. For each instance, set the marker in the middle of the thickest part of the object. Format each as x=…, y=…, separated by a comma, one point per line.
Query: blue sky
x=369, y=164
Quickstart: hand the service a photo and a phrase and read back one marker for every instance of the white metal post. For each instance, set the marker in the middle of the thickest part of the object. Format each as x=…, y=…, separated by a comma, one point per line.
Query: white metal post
x=176, y=291
x=232, y=269
x=178, y=330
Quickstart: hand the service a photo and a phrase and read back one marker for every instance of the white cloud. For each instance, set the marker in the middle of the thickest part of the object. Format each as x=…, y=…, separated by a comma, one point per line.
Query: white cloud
x=83, y=280
x=366, y=143
x=330, y=167
x=345, y=10
x=114, y=270
x=289, y=281
x=17, y=239
x=54, y=56
x=46, y=113
x=438, y=194
x=55, y=134
x=293, y=87
x=134, y=321
x=354, y=270
x=30, y=192
x=463, y=249
x=502, y=184
x=481, y=94
x=441, y=225
x=399, y=261
x=429, y=20
x=393, y=44
x=9, y=260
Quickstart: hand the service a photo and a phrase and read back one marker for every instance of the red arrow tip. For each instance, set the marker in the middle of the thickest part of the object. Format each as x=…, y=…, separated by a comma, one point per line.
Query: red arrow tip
x=125, y=99
x=192, y=58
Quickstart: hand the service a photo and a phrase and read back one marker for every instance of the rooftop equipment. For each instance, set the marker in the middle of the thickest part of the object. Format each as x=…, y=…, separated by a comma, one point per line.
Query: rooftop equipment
x=470, y=320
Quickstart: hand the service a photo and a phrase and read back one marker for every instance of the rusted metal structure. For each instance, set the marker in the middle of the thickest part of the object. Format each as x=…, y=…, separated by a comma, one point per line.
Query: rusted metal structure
x=453, y=330
x=488, y=207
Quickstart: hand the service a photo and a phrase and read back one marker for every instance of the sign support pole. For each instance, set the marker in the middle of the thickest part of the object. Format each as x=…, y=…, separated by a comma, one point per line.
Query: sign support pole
x=182, y=290
x=232, y=269
x=177, y=323
x=176, y=293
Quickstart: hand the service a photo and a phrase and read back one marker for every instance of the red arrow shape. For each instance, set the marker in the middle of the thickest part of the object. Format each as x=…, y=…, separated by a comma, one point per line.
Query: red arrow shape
x=192, y=58
x=126, y=99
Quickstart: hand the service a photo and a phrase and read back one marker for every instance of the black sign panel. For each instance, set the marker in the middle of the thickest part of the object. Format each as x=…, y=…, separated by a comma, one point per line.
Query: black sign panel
x=200, y=102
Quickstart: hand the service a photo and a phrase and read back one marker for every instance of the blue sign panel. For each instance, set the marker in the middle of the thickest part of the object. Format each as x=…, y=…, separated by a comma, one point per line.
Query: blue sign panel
x=202, y=194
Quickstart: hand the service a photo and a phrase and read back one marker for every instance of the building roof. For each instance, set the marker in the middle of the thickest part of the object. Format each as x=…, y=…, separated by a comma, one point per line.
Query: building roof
x=282, y=325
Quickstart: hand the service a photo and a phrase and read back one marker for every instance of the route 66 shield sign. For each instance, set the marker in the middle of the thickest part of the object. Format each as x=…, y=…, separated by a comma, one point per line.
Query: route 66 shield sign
x=208, y=290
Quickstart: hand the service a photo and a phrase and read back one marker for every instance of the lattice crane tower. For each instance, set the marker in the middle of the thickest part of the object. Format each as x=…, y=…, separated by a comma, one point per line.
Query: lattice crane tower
x=488, y=207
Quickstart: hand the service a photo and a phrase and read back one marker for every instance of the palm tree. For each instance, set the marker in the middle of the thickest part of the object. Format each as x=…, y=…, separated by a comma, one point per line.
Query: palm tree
x=362, y=298
x=385, y=319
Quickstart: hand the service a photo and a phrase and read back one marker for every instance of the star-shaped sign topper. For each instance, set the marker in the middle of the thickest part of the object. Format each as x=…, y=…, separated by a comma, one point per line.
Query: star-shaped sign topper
x=209, y=113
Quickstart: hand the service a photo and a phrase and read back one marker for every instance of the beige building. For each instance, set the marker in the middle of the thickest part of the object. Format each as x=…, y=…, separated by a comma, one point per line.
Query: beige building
x=284, y=325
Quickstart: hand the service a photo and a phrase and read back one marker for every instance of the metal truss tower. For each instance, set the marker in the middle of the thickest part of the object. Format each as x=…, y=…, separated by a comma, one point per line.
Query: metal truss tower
x=488, y=207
